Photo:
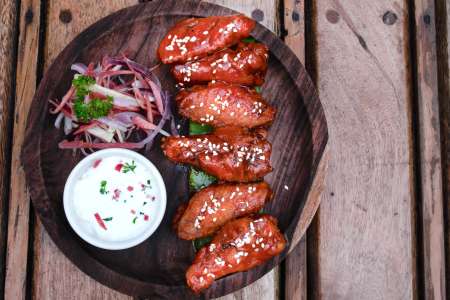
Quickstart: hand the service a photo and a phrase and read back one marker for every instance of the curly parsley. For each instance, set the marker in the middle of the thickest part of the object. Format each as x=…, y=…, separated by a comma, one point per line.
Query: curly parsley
x=96, y=107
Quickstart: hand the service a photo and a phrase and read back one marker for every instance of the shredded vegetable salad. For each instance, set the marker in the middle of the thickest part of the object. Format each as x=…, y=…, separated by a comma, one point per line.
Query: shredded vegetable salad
x=110, y=102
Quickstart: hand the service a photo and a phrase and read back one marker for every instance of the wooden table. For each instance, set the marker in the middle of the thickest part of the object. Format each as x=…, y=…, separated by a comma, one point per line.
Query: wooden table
x=381, y=67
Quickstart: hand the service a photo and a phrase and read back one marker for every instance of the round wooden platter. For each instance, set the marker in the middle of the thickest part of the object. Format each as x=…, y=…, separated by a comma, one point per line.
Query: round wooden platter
x=156, y=268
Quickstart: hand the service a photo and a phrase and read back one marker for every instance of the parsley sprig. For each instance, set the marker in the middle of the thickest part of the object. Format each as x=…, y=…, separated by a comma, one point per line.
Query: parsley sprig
x=96, y=107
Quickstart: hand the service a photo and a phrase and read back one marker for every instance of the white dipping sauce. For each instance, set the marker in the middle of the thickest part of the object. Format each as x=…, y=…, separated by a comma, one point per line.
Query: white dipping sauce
x=114, y=199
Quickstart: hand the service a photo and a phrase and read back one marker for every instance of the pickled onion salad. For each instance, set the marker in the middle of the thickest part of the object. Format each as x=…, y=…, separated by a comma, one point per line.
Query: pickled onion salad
x=117, y=103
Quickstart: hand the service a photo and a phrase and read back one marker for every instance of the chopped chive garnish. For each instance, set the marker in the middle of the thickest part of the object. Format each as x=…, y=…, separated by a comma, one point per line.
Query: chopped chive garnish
x=103, y=190
x=134, y=220
x=129, y=167
x=258, y=89
x=144, y=203
x=107, y=219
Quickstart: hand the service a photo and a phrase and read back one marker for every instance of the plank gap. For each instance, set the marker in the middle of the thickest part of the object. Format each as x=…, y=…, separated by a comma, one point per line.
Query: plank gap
x=443, y=51
x=40, y=70
x=282, y=265
x=415, y=140
x=312, y=234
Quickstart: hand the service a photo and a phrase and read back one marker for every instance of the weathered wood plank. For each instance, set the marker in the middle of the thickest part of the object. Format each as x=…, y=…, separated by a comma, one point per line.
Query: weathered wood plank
x=55, y=277
x=265, y=12
x=19, y=204
x=366, y=220
x=295, y=285
x=294, y=24
x=8, y=15
x=430, y=151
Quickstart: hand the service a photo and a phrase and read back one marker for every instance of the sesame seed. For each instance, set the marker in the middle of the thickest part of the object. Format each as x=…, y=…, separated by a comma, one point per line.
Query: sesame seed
x=286, y=187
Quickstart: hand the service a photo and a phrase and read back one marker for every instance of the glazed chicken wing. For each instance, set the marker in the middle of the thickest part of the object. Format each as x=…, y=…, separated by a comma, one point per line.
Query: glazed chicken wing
x=222, y=104
x=246, y=65
x=197, y=37
x=230, y=153
x=215, y=205
x=240, y=245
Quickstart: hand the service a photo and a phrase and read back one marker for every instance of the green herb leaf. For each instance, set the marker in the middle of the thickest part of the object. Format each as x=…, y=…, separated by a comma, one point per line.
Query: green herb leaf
x=82, y=84
x=95, y=108
x=199, y=243
x=134, y=220
x=103, y=190
x=258, y=89
x=129, y=167
x=249, y=39
x=196, y=128
x=108, y=219
x=199, y=179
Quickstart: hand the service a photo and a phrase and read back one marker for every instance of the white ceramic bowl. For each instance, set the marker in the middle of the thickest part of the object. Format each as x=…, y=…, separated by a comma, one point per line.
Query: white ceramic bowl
x=90, y=236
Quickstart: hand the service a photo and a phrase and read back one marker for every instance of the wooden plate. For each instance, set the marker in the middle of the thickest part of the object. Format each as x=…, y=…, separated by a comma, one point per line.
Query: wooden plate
x=156, y=268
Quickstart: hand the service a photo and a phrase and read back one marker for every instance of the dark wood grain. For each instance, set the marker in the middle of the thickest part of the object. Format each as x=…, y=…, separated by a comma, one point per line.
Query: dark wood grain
x=429, y=153
x=298, y=136
x=442, y=18
x=8, y=30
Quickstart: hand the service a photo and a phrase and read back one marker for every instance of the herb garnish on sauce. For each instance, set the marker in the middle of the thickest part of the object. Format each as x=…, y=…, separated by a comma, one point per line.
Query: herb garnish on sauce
x=128, y=167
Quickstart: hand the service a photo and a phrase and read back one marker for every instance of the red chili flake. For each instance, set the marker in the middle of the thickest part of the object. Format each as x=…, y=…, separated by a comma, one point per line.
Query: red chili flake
x=96, y=163
x=100, y=221
x=133, y=211
x=118, y=167
x=116, y=195
x=130, y=188
x=145, y=217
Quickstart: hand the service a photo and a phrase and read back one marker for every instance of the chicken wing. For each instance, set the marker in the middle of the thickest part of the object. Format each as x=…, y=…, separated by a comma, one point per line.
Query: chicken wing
x=213, y=206
x=230, y=153
x=246, y=65
x=197, y=37
x=221, y=104
x=240, y=245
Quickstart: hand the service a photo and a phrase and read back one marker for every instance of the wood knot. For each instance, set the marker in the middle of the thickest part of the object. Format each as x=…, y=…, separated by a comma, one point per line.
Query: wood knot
x=65, y=16
x=427, y=19
x=332, y=16
x=29, y=16
x=258, y=15
x=295, y=16
x=389, y=18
